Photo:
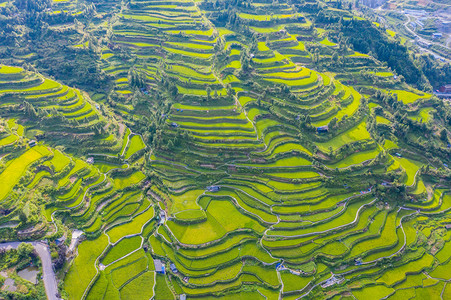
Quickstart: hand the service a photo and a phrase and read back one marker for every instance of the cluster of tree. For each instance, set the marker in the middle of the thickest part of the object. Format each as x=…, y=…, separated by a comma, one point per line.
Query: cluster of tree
x=437, y=73
x=136, y=79
x=61, y=259
x=385, y=50
x=392, y=193
x=33, y=5
x=372, y=77
x=169, y=142
x=168, y=83
x=52, y=116
x=423, y=136
x=397, y=57
x=24, y=28
x=19, y=257
x=217, y=5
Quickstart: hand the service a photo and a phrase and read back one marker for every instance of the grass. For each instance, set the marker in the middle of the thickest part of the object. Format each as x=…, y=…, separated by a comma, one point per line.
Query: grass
x=133, y=227
x=409, y=97
x=222, y=217
x=136, y=144
x=391, y=32
x=189, y=72
x=288, y=147
x=372, y=293
x=384, y=74
x=249, y=205
x=125, y=139
x=59, y=161
x=430, y=292
x=349, y=110
x=82, y=269
x=262, y=47
x=10, y=139
x=326, y=42
x=411, y=167
x=265, y=17
x=10, y=70
x=356, y=158
x=37, y=178
x=294, y=175
x=191, y=46
x=424, y=115
x=267, y=29
x=105, y=167
x=267, y=274
x=347, y=217
x=224, y=274
x=441, y=271
x=123, y=211
x=382, y=120
x=352, y=135
x=293, y=282
x=189, y=53
x=98, y=289
x=386, y=238
x=143, y=284
x=162, y=290
x=124, y=273
x=123, y=182
x=303, y=73
x=304, y=82
x=445, y=253
x=284, y=162
x=185, y=201
x=12, y=173
x=228, y=243
x=121, y=249
x=79, y=165
x=45, y=86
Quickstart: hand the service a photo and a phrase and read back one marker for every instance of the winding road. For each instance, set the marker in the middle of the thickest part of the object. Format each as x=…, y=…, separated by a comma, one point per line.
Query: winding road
x=48, y=275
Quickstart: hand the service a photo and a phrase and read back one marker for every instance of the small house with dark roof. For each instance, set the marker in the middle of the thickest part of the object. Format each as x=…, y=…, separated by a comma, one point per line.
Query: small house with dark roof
x=60, y=240
x=322, y=129
x=445, y=88
x=173, y=268
x=213, y=188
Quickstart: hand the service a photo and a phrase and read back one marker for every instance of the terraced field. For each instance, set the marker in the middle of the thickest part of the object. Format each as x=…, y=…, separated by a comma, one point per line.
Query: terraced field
x=243, y=150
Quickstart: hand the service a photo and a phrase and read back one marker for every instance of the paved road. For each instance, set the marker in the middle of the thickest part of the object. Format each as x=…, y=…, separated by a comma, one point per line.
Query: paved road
x=48, y=275
x=442, y=95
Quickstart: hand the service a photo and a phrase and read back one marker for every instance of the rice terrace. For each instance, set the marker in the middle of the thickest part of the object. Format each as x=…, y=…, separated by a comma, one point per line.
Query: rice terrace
x=225, y=149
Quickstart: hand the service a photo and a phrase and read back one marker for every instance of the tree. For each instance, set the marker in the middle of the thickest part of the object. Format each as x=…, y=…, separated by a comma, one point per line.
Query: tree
x=335, y=57
x=208, y=90
x=25, y=250
x=333, y=123
x=444, y=135
x=23, y=217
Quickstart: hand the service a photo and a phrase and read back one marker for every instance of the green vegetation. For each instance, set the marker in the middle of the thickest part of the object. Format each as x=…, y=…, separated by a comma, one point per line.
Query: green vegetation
x=254, y=149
